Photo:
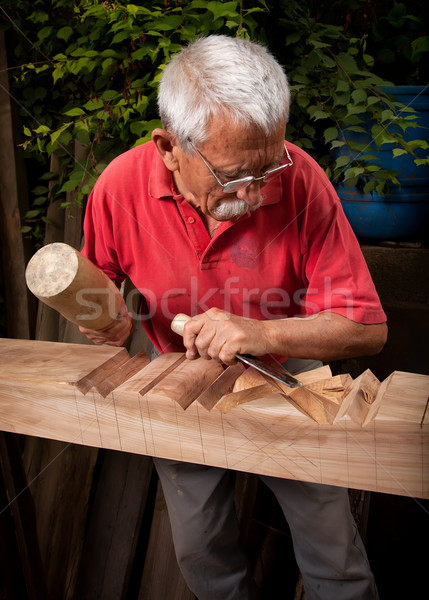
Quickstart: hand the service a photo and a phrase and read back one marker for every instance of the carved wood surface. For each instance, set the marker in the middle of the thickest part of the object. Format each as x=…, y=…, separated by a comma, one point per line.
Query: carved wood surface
x=379, y=443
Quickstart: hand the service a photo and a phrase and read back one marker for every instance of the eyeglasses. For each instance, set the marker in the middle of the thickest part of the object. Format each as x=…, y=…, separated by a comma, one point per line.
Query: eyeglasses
x=238, y=184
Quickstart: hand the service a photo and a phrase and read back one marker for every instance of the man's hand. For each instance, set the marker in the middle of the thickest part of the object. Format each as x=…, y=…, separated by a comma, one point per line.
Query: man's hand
x=325, y=336
x=115, y=334
x=218, y=334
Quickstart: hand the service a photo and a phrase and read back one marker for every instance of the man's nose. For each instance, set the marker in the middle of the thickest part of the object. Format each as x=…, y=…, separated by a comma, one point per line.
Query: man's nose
x=251, y=194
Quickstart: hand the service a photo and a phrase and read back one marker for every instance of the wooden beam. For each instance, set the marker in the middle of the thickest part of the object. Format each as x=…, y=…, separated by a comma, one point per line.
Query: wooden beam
x=388, y=453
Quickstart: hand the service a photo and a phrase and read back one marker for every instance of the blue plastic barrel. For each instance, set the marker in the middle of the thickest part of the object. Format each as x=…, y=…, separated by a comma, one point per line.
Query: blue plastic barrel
x=403, y=214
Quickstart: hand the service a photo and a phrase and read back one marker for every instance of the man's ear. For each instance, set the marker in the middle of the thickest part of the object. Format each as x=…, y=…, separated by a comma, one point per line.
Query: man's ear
x=165, y=145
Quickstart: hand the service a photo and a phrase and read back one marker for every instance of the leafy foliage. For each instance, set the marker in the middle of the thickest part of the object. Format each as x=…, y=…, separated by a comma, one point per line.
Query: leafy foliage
x=86, y=75
x=336, y=95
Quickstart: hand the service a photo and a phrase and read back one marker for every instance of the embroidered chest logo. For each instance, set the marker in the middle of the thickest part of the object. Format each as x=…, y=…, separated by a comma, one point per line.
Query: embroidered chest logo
x=243, y=252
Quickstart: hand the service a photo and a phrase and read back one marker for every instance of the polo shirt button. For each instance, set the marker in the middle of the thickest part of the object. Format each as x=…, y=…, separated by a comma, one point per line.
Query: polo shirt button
x=191, y=220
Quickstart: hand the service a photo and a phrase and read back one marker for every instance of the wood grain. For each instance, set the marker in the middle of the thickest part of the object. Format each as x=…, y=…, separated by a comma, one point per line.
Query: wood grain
x=124, y=372
x=100, y=373
x=221, y=385
x=359, y=396
x=389, y=453
x=189, y=380
x=259, y=392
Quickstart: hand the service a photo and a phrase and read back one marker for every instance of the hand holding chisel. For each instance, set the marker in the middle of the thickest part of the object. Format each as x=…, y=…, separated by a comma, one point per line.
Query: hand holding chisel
x=178, y=326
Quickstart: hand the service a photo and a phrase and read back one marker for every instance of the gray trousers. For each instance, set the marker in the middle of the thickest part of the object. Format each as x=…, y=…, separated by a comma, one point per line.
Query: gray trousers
x=327, y=545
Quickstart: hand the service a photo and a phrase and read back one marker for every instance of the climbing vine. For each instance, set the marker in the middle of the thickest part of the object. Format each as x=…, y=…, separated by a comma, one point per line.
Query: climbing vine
x=86, y=74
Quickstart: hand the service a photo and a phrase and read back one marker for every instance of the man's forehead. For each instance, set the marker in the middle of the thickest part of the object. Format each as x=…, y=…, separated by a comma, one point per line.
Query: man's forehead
x=239, y=154
x=241, y=136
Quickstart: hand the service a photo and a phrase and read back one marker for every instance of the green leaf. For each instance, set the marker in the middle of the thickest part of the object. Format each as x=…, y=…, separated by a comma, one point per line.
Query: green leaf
x=359, y=95
x=370, y=157
x=40, y=189
x=356, y=109
x=74, y=112
x=134, y=10
x=25, y=229
x=42, y=129
x=64, y=33
x=372, y=100
x=93, y=105
x=342, y=86
x=330, y=134
x=419, y=45
x=58, y=73
x=369, y=187
x=415, y=144
x=317, y=113
x=120, y=37
x=69, y=185
x=292, y=38
x=387, y=115
x=222, y=9
x=318, y=44
x=302, y=100
x=44, y=33
x=32, y=214
x=347, y=62
x=369, y=60
x=328, y=61
x=108, y=53
x=82, y=136
x=357, y=129
x=141, y=52
x=42, y=68
x=309, y=130
x=109, y=95
x=300, y=78
x=38, y=17
x=168, y=23
x=341, y=161
x=399, y=152
x=55, y=135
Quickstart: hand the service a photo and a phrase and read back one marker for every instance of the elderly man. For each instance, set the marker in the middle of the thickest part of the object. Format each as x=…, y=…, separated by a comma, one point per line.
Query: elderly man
x=219, y=218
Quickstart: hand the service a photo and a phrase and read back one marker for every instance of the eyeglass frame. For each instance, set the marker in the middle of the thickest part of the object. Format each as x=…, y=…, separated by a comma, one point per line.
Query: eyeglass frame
x=246, y=181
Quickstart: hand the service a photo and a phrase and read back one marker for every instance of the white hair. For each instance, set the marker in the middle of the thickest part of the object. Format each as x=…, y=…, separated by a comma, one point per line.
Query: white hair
x=222, y=75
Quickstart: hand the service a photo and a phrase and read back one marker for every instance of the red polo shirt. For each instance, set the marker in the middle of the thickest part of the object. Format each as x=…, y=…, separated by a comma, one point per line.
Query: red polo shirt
x=296, y=255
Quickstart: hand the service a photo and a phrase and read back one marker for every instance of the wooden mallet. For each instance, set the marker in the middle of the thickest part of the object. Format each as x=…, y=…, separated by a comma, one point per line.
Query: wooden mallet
x=67, y=281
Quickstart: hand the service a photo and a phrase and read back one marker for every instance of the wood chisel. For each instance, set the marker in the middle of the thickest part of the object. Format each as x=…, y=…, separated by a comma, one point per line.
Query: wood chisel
x=279, y=374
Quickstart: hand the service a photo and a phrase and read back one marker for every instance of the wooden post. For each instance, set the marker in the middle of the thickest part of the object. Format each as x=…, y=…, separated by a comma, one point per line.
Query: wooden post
x=12, y=247
x=22, y=508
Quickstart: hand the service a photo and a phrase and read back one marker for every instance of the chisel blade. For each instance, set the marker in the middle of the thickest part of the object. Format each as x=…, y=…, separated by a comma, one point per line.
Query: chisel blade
x=276, y=373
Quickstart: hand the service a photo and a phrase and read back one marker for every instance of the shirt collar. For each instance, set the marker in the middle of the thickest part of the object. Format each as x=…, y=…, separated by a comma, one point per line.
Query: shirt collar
x=272, y=192
x=160, y=179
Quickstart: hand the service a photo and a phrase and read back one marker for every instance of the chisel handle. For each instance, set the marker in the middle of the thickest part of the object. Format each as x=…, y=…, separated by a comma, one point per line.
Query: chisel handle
x=178, y=323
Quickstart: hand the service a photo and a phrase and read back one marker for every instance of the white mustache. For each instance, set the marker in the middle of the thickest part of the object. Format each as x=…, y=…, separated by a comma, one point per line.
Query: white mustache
x=234, y=208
